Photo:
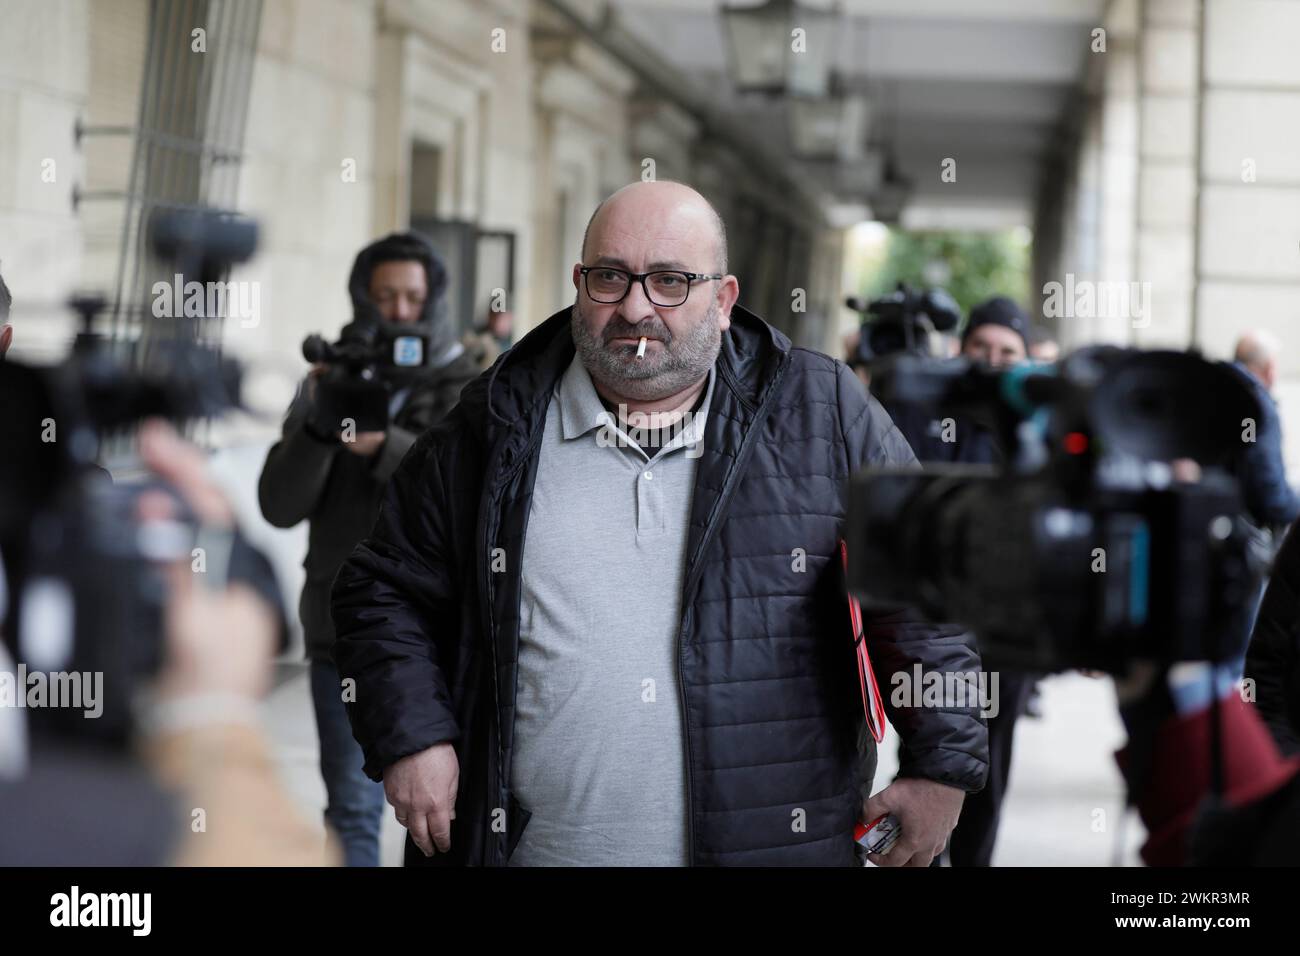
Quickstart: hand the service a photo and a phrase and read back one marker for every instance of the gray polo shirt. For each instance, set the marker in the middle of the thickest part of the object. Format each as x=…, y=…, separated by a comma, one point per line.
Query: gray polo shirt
x=599, y=754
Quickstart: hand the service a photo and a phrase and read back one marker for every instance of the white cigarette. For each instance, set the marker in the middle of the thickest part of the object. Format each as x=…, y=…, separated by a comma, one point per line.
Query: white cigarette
x=640, y=349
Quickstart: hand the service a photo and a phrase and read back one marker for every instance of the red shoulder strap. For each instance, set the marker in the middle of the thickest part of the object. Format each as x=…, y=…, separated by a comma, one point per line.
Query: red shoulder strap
x=872, y=705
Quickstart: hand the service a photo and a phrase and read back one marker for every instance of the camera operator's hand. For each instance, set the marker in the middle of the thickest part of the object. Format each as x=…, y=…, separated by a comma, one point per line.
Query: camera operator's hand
x=422, y=789
x=217, y=643
x=365, y=444
x=312, y=381
x=927, y=813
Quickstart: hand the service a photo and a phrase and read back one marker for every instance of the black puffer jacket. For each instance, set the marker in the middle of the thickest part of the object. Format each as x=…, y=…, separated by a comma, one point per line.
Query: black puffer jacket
x=430, y=632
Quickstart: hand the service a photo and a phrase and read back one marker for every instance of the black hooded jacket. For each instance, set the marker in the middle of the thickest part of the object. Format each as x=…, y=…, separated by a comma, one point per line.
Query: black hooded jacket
x=1273, y=657
x=434, y=323
x=307, y=478
x=430, y=632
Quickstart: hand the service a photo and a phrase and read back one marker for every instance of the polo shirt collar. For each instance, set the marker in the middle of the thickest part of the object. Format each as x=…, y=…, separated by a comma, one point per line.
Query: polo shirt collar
x=581, y=409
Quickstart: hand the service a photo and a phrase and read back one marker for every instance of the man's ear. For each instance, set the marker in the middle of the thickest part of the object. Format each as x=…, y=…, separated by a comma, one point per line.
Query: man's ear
x=6, y=336
x=577, y=275
x=728, y=293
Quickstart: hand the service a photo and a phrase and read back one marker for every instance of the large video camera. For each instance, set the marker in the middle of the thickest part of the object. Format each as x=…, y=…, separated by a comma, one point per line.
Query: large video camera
x=905, y=321
x=357, y=384
x=85, y=593
x=1084, y=552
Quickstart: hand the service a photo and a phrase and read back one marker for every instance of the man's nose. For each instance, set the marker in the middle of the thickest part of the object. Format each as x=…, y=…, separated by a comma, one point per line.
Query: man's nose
x=635, y=306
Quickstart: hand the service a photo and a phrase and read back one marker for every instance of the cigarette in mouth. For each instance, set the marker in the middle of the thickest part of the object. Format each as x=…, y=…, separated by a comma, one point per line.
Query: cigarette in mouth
x=640, y=349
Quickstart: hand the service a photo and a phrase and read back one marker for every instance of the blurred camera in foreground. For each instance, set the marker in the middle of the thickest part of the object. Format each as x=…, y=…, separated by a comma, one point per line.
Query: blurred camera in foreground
x=1086, y=551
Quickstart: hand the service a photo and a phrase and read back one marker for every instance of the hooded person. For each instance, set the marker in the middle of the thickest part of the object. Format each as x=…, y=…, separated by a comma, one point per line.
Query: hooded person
x=432, y=322
x=335, y=481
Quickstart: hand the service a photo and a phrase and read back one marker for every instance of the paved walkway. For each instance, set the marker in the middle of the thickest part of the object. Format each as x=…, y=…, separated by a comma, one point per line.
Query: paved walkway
x=1064, y=805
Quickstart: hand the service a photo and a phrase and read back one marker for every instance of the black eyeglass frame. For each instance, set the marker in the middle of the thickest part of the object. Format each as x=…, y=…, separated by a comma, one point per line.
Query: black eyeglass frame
x=641, y=277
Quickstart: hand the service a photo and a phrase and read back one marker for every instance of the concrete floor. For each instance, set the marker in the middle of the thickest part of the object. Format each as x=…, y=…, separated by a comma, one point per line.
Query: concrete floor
x=291, y=724
x=1065, y=799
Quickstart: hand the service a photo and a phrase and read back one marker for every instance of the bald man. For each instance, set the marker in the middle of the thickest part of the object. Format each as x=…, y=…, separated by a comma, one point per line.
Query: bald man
x=600, y=620
x=1261, y=469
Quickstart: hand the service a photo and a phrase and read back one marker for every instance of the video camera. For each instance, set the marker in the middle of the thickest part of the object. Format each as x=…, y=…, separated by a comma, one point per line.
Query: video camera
x=82, y=570
x=357, y=384
x=1084, y=552
x=905, y=321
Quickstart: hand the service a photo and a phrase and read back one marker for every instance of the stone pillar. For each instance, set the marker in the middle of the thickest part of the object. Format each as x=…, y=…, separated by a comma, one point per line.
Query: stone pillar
x=44, y=78
x=1118, y=172
x=583, y=154
x=1248, y=249
x=1169, y=51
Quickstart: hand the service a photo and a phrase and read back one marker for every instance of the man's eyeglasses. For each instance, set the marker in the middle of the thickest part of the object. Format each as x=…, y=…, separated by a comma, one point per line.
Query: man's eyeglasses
x=665, y=288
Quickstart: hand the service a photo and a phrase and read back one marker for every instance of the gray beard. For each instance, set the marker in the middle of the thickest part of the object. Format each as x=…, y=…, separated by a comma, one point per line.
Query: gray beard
x=681, y=363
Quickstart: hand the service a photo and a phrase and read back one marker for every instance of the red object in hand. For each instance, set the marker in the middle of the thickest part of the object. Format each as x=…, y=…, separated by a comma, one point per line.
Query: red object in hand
x=880, y=835
x=872, y=704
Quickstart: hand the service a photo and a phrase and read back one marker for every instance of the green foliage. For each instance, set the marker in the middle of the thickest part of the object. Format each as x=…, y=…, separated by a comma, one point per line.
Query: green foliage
x=972, y=266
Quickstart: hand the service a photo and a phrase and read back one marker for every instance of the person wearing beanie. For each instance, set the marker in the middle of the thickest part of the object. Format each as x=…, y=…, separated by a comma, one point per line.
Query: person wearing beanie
x=997, y=333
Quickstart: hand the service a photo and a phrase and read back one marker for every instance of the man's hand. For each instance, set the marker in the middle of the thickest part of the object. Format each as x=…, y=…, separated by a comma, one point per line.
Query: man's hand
x=365, y=444
x=422, y=789
x=927, y=812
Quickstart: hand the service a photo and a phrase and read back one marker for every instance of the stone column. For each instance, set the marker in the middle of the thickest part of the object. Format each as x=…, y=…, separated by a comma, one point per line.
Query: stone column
x=1248, y=235
x=1169, y=52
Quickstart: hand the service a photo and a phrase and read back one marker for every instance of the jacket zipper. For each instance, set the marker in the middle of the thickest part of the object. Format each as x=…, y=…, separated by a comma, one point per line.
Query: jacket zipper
x=485, y=541
x=686, y=732
x=710, y=532
x=489, y=535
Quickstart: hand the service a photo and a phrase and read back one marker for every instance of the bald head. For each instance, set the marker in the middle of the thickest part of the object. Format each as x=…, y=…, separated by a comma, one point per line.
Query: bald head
x=663, y=209
x=1258, y=351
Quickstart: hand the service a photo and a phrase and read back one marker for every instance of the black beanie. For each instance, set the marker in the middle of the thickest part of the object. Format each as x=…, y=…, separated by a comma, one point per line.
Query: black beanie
x=998, y=310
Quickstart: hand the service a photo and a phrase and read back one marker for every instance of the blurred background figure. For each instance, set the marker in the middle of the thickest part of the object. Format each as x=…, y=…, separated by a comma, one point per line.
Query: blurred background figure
x=487, y=341
x=997, y=333
x=1042, y=346
x=1271, y=505
x=1270, y=498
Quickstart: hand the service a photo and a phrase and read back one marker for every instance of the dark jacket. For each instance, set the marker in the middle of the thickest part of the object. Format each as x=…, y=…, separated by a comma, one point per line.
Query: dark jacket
x=1260, y=468
x=972, y=444
x=339, y=493
x=1273, y=657
x=429, y=630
